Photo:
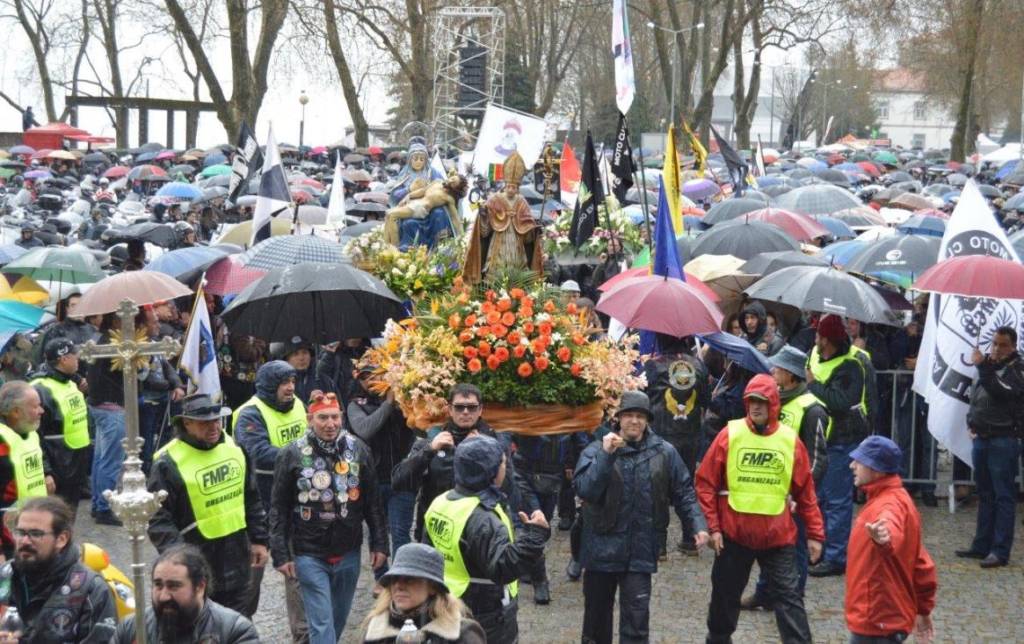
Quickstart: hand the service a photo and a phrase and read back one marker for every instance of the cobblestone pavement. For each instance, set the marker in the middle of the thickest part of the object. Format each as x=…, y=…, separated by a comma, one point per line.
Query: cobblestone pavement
x=973, y=606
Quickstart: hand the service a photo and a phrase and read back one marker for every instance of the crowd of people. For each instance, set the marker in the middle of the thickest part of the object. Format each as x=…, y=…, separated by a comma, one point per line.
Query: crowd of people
x=303, y=448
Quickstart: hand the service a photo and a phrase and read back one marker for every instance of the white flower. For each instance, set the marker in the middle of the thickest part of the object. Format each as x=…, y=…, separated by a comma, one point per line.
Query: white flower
x=556, y=336
x=395, y=271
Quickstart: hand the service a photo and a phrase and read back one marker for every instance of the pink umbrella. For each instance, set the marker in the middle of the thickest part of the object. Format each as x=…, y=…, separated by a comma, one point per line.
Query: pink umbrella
x=661, y=304
x=116, y=172
x=932, y=212
x=797, y=226
x=306, y=181
x=640, y=271
x=320, y=149
x=974, y=276
x=228, y=277
x=166, y=154
x=141, y=287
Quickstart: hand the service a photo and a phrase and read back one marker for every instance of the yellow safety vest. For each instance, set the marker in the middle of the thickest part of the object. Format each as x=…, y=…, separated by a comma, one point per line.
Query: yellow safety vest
x=27, y=461
x=792, y=413
x=72, y=407
x=823, y=370
x=282, y=427
x=445, y=520
x=215, y=483
x=759, y=469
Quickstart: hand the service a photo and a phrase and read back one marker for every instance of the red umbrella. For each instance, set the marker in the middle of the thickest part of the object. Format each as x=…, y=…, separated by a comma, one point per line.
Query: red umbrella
x=661, y=304
x=640, y=271
x=975, y=276
x=301, y=196
x=932, y=212
x=228, y=277
x=835, y=159
x=166, y=154
x=306, y=181
x=116, y=172
x=41, y=153
x=373, y=149
x=870, y=168
x=797, y=226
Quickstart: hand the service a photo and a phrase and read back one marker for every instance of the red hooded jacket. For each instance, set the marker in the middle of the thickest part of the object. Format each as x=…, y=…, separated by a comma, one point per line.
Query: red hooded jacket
x=888, y=586
x=757, y=531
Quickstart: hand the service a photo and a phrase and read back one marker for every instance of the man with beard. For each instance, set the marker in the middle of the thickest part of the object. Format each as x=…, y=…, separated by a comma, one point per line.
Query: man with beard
x=212, y=502
x=64, y=427
x=429, y=470
x=24, y=470
x=58, y=597
x=181, y=610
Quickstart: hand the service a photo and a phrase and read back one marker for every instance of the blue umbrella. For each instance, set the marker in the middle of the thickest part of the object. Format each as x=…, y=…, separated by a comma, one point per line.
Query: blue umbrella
x=738, y=350
x=214, y=158
x=11, y=252
x=18, y=316
x=842, y=252
x=923, y=225
x=185, y=264
x=1006, y=169
x=145, y=157
x=37, y=174
x=849, y=167
x=838, y=228
x=179, y=190
x=765, y=182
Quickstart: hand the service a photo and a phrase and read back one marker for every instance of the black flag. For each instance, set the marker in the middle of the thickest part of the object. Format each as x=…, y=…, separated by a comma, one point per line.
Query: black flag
x=622, y=162
x=738, y=168
x=590, y=196
x=247, y=164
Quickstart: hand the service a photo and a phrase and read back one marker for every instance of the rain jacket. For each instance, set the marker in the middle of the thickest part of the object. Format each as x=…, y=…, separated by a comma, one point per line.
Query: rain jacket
x=811, y=431
x=215, y=623
x=622, y=493
x=842, y=396
x=251, y=430
x=994, y=398
x=381, y=424
x=888, y=586
x=758, y=531
x=762, y=335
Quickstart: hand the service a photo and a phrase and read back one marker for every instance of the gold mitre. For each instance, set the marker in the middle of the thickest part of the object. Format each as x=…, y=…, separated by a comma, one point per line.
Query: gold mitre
x=514, y=169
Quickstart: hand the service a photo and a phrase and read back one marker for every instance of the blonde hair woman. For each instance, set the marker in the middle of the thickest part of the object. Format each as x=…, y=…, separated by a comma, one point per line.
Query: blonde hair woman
x=414, y=589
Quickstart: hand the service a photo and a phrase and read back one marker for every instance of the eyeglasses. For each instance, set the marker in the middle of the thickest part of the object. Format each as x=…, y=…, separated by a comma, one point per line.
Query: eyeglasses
x=34, y=535
x=462, y=409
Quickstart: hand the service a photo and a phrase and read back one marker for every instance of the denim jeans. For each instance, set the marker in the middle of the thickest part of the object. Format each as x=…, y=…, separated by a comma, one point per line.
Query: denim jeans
x=802, y=561
x=151, y=417
x=995, y=467
x=327, y=592
x=400, y=508
x=108, y=454
x=836, y=501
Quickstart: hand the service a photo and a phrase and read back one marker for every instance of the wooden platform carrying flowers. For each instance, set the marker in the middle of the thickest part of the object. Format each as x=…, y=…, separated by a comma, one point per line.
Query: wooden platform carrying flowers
x=541, y=366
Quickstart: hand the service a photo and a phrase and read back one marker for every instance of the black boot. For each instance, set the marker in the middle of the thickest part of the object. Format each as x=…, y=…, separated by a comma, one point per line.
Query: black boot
x=541, y=594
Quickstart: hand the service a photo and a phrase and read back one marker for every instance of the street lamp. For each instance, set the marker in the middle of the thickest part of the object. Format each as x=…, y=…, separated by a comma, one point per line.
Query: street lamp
x=303, y=99
x=675, y=60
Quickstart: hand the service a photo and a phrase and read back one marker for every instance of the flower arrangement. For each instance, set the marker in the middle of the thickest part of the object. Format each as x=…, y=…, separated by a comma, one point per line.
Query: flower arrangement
x=412, y=274
x=521, y=348
x=556, y=237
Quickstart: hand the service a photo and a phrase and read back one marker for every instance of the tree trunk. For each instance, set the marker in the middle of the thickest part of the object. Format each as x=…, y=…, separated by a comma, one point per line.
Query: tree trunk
x=348, y=87
x=961, y=131
x=702, y=113
x=661, y=46
x=39, y=52
x=421, y=78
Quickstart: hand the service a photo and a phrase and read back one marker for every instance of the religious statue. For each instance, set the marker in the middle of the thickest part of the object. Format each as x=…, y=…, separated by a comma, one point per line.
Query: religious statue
x=429, y=213
x=505, y=235
x=417, y=167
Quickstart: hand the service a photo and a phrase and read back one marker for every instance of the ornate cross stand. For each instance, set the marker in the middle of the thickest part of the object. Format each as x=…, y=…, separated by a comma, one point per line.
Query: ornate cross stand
x=134, y=504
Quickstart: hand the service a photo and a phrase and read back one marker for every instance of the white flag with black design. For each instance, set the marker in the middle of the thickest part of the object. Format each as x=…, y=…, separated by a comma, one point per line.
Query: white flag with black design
x=273, y=196
x=247, y=163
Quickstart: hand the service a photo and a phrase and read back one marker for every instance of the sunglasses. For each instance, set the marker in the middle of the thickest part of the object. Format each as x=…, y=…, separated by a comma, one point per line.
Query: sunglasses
x=462, y=409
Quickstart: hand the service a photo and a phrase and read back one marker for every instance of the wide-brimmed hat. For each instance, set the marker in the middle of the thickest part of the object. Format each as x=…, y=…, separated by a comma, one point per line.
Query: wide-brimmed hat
x=201, y=407
x=790, y=359
x=416, y=560
x=879, y=453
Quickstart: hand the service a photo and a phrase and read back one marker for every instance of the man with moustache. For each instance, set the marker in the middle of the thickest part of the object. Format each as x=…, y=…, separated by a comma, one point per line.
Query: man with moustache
x=23, y=465
x=58, y=597
x=181, y=610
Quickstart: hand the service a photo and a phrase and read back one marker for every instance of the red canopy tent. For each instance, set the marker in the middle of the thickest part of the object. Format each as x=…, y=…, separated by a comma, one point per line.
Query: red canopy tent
x=51, y=135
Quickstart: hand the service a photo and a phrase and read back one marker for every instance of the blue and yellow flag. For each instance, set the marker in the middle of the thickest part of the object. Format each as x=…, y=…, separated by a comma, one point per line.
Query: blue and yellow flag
x=670, y=178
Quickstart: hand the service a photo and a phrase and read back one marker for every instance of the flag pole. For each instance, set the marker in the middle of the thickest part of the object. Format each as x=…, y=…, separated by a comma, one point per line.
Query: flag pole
x=192, y=318
x=643, y=197
x=607, y=190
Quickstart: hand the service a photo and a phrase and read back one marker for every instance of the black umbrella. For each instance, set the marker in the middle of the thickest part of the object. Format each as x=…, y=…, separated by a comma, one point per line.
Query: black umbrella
x=1017, y=241
x=366, y=208
x=147, y=231
x=838, y=177
x=95, y=157
x=360, y=229
x=824, y=290
x=906, y=255
x=321, y=302
x=991, y=192
x=767, y=263
x=182, y=168
x=743, y=239
x=730, y=209
x=896, y=177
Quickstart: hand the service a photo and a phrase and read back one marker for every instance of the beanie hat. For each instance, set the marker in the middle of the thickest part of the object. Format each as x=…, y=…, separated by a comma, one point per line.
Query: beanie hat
x=831, y=327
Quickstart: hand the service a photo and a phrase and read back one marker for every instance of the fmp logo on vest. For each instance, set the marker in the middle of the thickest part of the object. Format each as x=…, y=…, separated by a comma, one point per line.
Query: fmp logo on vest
x=761, y=461
x=32, y=463
x=441, y=530
x=214, y=478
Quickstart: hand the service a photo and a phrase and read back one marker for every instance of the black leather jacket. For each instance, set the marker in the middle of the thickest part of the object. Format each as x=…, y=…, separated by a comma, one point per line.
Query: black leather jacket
x=214, y=624
x=994, y=397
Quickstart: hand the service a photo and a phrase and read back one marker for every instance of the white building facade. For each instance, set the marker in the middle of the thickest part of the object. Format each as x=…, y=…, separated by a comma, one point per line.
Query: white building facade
x=907, y=116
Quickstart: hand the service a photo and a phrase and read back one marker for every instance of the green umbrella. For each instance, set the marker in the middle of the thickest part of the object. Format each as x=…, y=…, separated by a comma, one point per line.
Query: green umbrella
x=215, y=170
x=887, y=158
x=7, y=173
x=57, y=265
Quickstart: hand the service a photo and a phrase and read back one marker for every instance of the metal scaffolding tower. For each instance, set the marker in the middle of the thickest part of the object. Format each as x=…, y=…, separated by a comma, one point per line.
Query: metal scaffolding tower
x=469, y=72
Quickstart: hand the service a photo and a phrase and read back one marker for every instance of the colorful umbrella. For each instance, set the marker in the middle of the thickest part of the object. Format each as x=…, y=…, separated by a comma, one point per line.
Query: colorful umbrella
x=145, y=172
x=18, y=316
x=179, y=190
x=141, y=287
x=116, y=172
x=56, y=264
x=24, y=289
x=799, y=227
x=186, y=264
x=700, y=189
x=215, y=170
x=35, y=175
x=640, y=271
x=661, y=304
x=842, y=252
x=975, y=276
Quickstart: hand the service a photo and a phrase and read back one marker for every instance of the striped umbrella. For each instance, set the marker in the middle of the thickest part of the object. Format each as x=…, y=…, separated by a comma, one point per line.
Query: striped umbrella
x=292, y=249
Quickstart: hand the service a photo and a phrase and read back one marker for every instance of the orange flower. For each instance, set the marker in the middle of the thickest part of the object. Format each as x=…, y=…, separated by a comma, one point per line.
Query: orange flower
x=493, y=362
x=470, y=320
x=469, y=353
x=570, y=308
x=457, y=283
x=517, y=293
x=490, y=295
x=465, y=336
x=527, y=302
x=538, y=345
x=493, y=317
x=524, y=370
x=481, y=332
x=485, y=349
x=486, y=307
x=513, y=338
x=463, y=298
x=501, y=353
x=504, y=304
x=544, y=328
x=508, y=318
x=474, y=365
x=519, y=351
x=564, y=354
x=454, y=321
x=541, y=363
x=549, y=306
x=528, y=327
x=525, y=312
x=499, y=330
x=578, y=339
x=575, y=369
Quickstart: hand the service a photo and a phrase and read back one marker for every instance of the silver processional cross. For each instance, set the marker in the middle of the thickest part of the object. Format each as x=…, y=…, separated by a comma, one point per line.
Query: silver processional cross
x=133, y=504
